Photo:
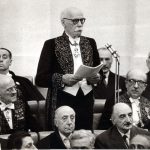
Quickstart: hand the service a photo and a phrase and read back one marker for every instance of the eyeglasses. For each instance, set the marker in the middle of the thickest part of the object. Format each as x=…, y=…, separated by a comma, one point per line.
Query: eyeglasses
x=139, y=82
x=76, y=20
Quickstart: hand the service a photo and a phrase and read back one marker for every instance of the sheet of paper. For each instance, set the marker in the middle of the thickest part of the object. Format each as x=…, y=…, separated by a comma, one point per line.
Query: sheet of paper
x=86, y=71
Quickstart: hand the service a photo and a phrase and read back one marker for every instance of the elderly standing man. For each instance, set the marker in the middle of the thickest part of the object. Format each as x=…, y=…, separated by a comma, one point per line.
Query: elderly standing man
x=136, y=83
x=65, y=124
x=60, y=58
x=118, y=136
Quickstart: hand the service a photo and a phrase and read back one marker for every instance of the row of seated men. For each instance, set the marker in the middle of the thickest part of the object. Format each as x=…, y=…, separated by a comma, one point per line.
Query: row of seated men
x=122, y=135
x=135, y=84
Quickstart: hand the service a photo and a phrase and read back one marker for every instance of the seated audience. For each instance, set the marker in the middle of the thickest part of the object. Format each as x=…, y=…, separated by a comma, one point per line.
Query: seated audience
x=146, y=92
x=65, y=123
x=136, y=84
x=20, y=140
x=82, y=139
x=14, y=112
x=29, y=91
x=140, y=141
x=105, y=89
x=118, y=136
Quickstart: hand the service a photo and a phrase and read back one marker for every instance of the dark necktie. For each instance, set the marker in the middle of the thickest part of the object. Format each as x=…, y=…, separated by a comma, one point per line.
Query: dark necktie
x=103, y=80
x=125, y=140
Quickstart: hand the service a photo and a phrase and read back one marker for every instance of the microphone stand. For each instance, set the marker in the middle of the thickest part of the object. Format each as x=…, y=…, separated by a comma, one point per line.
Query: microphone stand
x=117, y=67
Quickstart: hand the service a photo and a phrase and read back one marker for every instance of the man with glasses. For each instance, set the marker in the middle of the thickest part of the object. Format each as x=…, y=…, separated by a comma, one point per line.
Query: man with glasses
x=14, y=112
x=136, y=84
x=60, y=59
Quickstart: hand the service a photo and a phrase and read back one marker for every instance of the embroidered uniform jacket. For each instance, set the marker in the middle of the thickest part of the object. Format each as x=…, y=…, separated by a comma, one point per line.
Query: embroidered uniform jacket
x=56, y=60
x=144, y=108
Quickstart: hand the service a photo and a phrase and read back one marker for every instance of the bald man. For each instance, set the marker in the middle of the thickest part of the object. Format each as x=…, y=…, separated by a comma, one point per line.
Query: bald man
x=140, y=141
x=82, y=139
x=118, y=136
x=65, y=124
x=14, y=113
x=136, y=81
x=60, y=59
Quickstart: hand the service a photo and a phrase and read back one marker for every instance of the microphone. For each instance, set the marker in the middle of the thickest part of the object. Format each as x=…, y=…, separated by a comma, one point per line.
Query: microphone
x=113, y=52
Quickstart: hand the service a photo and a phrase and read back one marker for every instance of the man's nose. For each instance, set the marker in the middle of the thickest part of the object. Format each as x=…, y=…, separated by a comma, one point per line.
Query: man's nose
x=14, y=90
x=69, y=121
x=1, y=59
x=136, y=85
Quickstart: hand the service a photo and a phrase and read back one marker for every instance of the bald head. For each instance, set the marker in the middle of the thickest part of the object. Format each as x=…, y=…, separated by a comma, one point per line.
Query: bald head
x=83, y=139
x=137, y=74
x=65, y=120
x=122, y=117
x=70, y=12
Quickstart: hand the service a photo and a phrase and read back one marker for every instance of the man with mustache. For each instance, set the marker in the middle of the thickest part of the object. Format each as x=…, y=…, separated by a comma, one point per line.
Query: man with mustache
x=136, y=81
x=118, y=136
x=65, y=124
x=59, y=60
x=105, y=88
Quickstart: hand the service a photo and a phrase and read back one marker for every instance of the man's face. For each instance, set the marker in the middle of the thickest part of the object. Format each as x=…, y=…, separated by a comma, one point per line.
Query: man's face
x=27, y=143
x=106, y=59
x=65, y=121
x=123, y=118
x=135, y=84
x=71, y=25
x=139, y=142
x=9, y=93
x=5, y=60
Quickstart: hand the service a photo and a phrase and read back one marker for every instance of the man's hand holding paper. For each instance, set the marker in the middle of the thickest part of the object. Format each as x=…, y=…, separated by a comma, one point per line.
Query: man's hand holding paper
x=94, y=79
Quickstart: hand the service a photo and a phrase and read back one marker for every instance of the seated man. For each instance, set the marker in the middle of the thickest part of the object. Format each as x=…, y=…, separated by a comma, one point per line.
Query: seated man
x=14, y=112
x=20, y=140
x=118, y=136
x=65, y=123
x=140, y=141
x=136, y=84
x=82, y=139
x=29, y=91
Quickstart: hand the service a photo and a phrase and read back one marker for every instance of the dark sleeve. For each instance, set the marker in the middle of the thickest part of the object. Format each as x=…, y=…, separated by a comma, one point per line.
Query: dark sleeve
x=45, y=65
x=99, y=144
x=96, y=59
x=122, y=85
x=29, y=91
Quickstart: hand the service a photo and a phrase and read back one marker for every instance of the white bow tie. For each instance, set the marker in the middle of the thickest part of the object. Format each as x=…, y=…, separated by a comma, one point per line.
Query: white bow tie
x=9, y=106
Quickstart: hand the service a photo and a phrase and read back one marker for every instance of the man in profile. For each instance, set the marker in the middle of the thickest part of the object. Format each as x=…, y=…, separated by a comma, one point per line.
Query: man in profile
x=65, y=124
x=118, y=136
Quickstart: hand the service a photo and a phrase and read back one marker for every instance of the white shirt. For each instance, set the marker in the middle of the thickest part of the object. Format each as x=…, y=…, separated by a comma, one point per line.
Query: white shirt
x=135, y=110
x=7, y=113
x=127, y=134
x=77, y=62
x=65, y=140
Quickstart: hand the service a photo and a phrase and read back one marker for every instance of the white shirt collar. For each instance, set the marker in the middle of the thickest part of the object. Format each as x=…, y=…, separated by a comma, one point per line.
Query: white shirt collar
x=122, y=134
x=72, y=40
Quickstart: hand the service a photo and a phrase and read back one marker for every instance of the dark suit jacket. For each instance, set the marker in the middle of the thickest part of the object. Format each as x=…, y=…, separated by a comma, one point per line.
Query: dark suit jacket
x=56, y=60
x=29, y=91
x=146, y=93
x=112, y=139
x=52, y=141
x=3, y=144
x=107, y=92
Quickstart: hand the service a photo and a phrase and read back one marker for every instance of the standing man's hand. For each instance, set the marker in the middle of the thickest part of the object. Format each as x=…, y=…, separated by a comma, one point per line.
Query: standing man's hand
x=94, y=79
x=69, y=80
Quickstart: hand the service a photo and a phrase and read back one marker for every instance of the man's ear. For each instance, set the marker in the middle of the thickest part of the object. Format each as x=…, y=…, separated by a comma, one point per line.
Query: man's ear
x=63, y=22
x=55, y=122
